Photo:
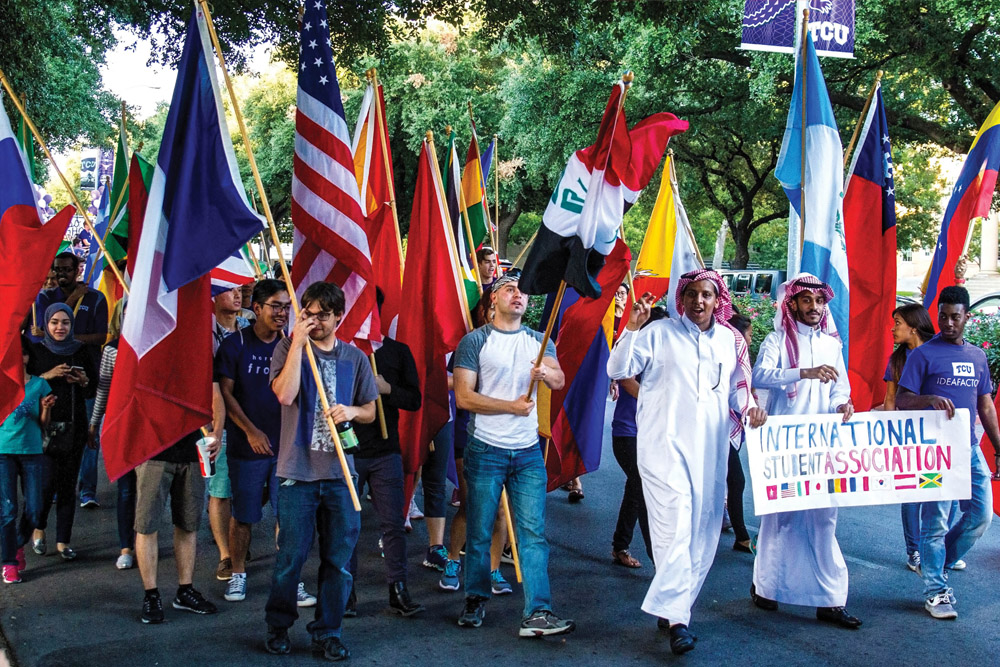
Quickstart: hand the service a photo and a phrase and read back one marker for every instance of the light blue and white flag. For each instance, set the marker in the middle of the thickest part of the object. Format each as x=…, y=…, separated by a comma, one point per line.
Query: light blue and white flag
x=824, y=252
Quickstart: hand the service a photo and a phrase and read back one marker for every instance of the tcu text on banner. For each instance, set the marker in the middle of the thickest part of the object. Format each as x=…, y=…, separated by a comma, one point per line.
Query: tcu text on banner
x=878, y=458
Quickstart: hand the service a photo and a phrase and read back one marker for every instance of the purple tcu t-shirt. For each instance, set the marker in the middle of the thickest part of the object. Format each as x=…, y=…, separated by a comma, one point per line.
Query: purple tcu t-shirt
x=958, y=372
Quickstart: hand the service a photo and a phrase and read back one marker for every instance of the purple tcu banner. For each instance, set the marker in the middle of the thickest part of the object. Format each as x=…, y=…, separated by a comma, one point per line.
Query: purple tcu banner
x=770, y=25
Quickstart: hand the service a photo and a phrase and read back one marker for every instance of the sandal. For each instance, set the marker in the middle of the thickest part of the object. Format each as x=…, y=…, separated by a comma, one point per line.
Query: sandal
x=625, y=559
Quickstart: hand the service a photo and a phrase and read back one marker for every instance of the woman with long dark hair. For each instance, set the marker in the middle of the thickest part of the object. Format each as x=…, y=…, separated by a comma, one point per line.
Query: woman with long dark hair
x=71, y=371
x=911, y=328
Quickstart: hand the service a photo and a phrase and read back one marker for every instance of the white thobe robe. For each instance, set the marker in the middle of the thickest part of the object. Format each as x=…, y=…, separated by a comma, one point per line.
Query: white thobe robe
x=688, y=386
x=798, y=559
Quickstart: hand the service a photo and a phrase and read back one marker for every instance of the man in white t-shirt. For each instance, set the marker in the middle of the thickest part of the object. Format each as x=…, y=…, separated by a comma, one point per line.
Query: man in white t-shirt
x=494, y=366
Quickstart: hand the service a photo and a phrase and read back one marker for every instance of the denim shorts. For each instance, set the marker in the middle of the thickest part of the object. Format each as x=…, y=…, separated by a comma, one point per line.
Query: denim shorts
x=254, y=482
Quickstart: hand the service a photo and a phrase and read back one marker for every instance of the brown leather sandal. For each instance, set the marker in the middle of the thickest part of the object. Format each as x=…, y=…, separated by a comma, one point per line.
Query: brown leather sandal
x=625, y=559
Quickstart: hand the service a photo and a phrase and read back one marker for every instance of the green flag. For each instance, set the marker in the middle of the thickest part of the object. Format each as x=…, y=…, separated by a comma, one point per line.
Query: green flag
x=117, y=236
x=27, y=145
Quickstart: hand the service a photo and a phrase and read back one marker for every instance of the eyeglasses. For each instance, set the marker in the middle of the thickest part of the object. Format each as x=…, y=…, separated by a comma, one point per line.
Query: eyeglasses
x=322, y=316
x=279, y=307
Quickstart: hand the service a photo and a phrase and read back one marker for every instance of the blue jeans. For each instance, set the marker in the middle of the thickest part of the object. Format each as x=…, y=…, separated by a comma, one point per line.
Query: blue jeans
x=940, y=545
x=487, y=470
x=126, y=510
x=30, y=468
x=911, y=524
x=301, y=506
x=88, y=466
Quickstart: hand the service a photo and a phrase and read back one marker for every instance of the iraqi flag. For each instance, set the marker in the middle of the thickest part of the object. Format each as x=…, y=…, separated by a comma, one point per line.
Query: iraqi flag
x=970, y=199
x=27, y=246
x=870, y=233
x=574, y=416
x=581, y=221
x=197, y=215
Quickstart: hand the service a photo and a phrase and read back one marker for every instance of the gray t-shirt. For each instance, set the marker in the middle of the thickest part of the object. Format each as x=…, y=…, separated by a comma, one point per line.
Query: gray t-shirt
x=306, y=453
x=502, y=361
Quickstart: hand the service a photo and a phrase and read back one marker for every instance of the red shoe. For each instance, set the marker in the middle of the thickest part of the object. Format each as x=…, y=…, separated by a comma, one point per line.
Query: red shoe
x=11, y=575
x=21, y=563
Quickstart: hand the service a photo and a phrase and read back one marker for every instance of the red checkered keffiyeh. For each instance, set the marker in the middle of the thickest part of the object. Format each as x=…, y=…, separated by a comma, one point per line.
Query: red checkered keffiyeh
x=723, y=313
x=784, y=319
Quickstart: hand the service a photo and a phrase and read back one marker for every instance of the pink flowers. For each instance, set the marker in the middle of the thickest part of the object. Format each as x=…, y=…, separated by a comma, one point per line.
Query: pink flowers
x=986, y=345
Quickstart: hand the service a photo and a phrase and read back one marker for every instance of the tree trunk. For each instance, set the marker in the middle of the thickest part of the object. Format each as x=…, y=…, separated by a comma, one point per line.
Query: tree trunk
x=505, y=224
x=741, y=237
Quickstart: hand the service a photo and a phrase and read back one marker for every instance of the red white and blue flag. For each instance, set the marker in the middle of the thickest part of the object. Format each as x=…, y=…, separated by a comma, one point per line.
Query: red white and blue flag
x=27, y=245
x=870, y=234
x=970, y=199
x=234, y=271
x=197, y=215
x=331, y=241
x=581, y=221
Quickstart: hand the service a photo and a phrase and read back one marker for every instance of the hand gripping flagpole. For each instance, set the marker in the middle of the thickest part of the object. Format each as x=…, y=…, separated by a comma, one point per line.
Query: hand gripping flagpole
x=861, y=120
x=317, y=376
x=627, y=78
x=76, y=201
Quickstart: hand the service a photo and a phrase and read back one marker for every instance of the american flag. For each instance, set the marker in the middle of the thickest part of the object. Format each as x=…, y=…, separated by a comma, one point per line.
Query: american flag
x=330, y=242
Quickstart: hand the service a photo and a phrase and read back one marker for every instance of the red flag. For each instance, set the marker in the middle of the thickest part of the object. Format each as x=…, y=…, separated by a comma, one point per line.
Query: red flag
x=870, y=235
x=438, y=319
x=28, y=248
x=140, y=173
x=988, y=454
x=370, y=163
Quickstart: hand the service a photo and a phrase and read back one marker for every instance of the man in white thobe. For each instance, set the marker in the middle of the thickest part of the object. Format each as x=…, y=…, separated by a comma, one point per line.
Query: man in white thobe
x=801, y=364
x=695, y=371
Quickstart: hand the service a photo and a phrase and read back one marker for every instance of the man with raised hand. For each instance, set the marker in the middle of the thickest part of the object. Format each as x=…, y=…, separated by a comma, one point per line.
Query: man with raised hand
x=801, y=363
x=313, y=496
x=695, y=389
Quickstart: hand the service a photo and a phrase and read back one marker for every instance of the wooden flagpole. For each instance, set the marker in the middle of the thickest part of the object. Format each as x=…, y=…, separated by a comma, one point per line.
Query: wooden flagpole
x=62, y=177
x=861, y=119
x=310, y=355
x=496, y=200
x=802, y=173
x=525, y=248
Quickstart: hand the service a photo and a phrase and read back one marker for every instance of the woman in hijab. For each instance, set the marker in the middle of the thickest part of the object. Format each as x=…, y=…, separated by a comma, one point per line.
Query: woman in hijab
x=70, y=368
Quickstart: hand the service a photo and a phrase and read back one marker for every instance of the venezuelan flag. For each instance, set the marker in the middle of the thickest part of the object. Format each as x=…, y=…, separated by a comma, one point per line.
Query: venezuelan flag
x=574, y=416
x=969, y=200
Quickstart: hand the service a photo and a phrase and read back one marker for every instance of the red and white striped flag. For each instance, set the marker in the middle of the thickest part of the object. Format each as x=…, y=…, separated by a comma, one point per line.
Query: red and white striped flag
x=330, y=241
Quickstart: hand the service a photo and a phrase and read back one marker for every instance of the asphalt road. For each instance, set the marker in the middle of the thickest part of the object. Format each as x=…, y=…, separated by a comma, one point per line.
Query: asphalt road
x=87, y=612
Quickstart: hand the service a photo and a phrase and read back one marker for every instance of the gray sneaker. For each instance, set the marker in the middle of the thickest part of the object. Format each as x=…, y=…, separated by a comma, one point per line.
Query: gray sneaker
x=498, y=584
x=450, y=577
x=939, y=606
x=473, y=613
x=236, y=591
x=544, y=623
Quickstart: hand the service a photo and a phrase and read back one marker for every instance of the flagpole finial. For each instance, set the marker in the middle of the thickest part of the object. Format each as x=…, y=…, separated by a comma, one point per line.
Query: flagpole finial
x=447, y=129
x=628, y=76
x=805, y=15
x=139, y=147
x=879, y=75
x=429, y=136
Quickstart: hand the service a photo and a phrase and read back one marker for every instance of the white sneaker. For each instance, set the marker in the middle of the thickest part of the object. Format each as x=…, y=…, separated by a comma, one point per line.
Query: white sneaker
x=939, y=606
x=125, y=562
x=958, y=565
x=236, y=591
x=303, y=599
x=415, y=513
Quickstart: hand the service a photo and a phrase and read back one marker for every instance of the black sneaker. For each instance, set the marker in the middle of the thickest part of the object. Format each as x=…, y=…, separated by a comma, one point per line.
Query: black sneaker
x=474, y=612
x=544, y=623
x=188, y=599
x=277, y=641
x=152, y=609
x=331, y=648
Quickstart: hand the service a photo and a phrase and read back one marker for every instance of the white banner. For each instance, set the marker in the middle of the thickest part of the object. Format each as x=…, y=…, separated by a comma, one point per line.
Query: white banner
x=878, y=458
